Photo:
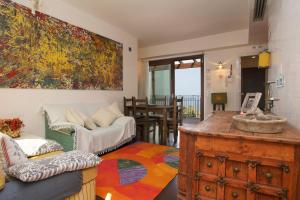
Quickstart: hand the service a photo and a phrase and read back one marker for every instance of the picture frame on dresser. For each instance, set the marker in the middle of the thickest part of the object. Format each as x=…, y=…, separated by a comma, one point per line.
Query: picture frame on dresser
x=251, y=102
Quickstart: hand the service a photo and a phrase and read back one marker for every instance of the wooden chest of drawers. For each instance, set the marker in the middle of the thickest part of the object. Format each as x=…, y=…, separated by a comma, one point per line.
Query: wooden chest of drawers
x=218, y=162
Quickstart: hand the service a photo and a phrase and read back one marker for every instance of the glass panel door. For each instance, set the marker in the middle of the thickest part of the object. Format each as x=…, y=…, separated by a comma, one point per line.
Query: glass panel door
x=160, y=82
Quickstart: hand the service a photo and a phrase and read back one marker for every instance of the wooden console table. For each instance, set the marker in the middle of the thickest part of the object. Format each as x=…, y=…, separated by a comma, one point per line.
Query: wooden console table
x=220, y=162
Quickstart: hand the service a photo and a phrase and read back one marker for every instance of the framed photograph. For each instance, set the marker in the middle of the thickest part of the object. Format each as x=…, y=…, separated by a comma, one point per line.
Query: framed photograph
x=250, y=102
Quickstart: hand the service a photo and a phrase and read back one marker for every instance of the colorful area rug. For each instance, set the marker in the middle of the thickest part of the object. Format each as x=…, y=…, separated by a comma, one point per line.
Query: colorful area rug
x=138, y=171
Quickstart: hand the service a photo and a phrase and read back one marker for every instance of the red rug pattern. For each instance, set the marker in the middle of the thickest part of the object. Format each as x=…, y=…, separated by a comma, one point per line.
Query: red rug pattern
x=138, y=171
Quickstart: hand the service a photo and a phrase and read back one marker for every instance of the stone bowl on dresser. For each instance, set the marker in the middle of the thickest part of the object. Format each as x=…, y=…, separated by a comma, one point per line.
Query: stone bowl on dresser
x=272, y=124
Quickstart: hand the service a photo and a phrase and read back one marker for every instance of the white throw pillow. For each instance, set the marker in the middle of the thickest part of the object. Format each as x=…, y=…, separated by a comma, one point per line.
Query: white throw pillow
x=115, y=109
x=104, y=117
x=73, y=117
x=90, y=124
x=12, y=152
x=35, y=146
x=80, y=114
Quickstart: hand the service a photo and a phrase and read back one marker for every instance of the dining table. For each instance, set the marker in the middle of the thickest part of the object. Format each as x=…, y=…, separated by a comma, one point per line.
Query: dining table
x=164, y=110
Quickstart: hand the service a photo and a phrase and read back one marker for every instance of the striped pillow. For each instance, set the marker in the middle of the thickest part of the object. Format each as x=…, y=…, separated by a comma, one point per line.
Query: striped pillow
x=11, y=152
x=35, y=170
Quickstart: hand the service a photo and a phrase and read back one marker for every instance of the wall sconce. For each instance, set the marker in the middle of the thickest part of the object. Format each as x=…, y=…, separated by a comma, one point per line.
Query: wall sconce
x=220, y=65
x=264, y=59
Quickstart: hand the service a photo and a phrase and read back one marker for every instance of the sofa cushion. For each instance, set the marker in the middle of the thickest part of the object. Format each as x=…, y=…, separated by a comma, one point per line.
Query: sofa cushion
x=55, y=112
x=115, y=109
x=90, y=124
x=12, y=152
x=38, y=146
x=73, y=116
x=45, y=155
x=54, y=188
x=2, y=159
x=104, y=117
x=35, y=170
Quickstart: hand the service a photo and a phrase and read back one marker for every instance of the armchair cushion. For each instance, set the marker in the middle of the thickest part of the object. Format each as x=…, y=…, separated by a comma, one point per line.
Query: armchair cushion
x=12, y=152
x=35, y=170
x=34, y=147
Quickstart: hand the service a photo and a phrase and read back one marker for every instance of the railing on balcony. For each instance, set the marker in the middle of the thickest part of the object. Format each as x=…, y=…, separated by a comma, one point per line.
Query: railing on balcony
x=191, y=104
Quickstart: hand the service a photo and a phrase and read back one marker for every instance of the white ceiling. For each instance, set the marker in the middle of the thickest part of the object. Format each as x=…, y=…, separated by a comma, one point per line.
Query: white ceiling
x=161, y=21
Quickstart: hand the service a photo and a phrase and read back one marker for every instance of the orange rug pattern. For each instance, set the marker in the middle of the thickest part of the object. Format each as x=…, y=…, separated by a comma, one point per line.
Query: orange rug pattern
x=137, y=171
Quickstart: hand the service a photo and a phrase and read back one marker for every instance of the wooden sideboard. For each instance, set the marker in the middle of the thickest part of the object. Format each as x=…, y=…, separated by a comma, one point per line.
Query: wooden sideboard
x=220, y=162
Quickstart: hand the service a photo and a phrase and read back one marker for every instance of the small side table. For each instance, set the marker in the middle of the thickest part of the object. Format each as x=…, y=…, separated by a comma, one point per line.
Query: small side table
x=219, y=99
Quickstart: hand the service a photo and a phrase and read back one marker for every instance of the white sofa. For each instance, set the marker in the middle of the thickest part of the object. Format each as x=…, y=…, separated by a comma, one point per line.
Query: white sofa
x=100, y=140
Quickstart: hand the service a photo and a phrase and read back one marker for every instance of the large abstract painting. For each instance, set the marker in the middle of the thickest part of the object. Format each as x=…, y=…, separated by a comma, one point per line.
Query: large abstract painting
x=39, y=51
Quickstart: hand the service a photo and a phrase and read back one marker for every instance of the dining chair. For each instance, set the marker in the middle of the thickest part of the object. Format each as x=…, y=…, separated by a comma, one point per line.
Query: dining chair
x=176, y=117
x=142, y=118
x=179, y=103
x=160, y=100
x=128, y=102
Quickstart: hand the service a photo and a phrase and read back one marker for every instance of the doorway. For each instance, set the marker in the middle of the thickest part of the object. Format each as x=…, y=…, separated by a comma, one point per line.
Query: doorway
x=181, y=76
x=253, y=78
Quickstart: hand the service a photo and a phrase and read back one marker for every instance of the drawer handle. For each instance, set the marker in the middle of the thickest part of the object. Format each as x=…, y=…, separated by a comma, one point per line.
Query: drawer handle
x=197, y=197
x=222, y=158
x=254, y=188
x=221, y=181
x=269, y=177
x=283, y=194
x=284, y=168
x=234, y=195
x=253, y=163
x=197, y=176
x=235, y=171
x=209, y=165
x=199, y=153
x=207, y=188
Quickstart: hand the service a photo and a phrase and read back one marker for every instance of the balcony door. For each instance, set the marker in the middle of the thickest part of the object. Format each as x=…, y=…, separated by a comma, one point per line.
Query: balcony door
x=162, y=77
x=160, y=81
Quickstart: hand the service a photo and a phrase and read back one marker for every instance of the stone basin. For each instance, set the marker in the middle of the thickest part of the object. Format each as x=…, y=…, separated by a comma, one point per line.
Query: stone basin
x=274, y=124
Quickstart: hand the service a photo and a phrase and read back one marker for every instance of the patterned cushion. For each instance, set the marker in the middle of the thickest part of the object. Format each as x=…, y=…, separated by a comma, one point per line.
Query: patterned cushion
x=13, y=154
x=35, y=147
x=35, y=170
x=2, y=159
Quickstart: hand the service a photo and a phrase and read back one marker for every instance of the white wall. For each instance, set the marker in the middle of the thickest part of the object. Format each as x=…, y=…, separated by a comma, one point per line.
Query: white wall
x=284, y=44
x=190, y=46
x=216, y=79
x=225, y=47
x=26, y=103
